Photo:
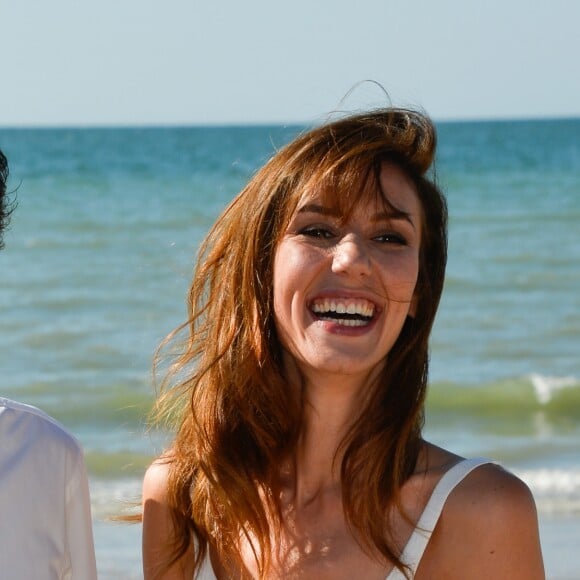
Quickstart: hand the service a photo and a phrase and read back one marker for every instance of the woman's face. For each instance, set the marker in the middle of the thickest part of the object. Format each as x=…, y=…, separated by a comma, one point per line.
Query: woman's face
x=342, y=291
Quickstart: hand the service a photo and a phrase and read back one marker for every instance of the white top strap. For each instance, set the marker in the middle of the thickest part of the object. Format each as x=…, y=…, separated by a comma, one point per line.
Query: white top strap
x=420, y=537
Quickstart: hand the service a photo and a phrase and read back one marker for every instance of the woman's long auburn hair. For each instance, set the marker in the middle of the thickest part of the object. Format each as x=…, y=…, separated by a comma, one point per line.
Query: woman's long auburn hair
x=226, y=394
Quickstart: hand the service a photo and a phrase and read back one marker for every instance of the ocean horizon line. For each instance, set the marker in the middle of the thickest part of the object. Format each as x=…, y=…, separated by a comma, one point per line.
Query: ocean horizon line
x=264, y=124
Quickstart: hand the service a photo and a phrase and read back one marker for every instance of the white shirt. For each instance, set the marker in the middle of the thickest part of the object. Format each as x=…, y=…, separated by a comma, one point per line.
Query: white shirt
x=45, y=514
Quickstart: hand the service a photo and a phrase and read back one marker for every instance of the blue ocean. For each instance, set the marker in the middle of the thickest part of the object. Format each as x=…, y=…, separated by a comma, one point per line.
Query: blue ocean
x=99, y=257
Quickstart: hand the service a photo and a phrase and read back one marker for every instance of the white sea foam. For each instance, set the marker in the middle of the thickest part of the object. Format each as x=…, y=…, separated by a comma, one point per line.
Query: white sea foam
x=556, y=491
x=114, y=496
x=546, y=387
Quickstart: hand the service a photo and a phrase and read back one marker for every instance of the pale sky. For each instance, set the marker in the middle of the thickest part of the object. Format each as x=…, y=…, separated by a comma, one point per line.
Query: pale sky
x=152, y=62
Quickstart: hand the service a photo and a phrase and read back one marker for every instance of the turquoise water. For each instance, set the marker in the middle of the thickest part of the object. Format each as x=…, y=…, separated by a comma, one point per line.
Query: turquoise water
x=99, y=256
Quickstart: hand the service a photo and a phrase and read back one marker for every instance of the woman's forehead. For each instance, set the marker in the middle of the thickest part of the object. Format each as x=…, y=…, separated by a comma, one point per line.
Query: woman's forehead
x=392, y=189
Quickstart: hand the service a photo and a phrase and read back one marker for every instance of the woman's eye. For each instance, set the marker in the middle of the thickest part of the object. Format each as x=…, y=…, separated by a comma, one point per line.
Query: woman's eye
x=317, y=232
x=391, y=238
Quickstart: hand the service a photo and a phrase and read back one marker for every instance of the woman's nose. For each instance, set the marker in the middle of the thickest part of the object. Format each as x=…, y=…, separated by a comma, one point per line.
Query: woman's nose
x=351, y=257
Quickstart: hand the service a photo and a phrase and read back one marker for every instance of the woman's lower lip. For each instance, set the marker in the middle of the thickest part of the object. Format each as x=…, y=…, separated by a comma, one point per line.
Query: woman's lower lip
x=335, y=327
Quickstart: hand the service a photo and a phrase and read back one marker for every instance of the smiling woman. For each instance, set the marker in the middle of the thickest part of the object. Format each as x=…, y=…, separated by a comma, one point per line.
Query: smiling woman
x=339, y=276
x=298, y=397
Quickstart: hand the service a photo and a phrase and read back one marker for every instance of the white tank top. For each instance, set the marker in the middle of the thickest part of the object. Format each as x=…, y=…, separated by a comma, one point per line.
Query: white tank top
x=417, y=543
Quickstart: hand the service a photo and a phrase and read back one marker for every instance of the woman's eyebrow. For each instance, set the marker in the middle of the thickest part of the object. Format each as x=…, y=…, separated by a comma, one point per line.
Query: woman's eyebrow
x=394, y=213
x=390, y=214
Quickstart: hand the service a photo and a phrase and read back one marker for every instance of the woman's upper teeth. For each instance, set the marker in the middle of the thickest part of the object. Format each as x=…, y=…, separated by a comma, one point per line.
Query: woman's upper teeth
x=358, y=306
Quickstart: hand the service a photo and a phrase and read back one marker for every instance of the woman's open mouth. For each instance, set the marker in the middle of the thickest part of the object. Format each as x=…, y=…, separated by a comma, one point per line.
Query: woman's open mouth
x=343, y=311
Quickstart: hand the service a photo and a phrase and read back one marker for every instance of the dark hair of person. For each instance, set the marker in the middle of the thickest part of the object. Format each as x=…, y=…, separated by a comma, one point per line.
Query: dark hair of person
x=5, y=206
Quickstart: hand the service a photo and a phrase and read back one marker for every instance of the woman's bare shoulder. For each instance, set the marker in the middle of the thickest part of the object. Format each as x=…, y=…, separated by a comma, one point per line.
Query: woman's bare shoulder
x=494, y=495
x=489, y=528
x=156, y=480
x=158, y=527
x=489, y=486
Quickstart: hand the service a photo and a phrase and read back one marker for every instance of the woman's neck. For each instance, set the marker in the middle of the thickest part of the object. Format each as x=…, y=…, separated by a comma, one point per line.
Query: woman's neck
x=331, y=405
